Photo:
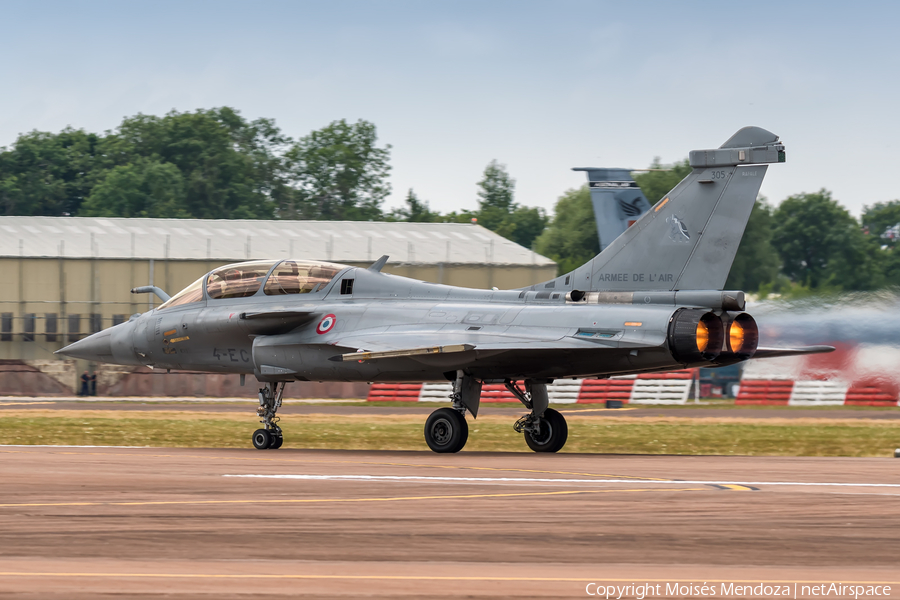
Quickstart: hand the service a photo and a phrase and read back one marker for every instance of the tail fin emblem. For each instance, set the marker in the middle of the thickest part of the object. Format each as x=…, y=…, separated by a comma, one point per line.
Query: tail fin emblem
x=679, y=231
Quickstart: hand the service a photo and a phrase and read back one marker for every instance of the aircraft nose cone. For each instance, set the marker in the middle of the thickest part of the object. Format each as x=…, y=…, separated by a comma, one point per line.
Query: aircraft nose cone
x=96, y=347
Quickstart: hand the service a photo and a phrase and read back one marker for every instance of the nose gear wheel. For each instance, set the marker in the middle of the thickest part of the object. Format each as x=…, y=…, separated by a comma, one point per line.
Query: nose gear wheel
x=270, y=437
x=262, y=439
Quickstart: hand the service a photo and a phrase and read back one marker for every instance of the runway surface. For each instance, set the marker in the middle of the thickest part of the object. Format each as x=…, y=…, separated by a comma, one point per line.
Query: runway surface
x=243, y=405
x=78, y=522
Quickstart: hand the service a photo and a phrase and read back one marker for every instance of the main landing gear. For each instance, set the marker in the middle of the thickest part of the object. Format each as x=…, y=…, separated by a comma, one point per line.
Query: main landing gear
x=446, y=429
x=270, y=437
x=545, y=429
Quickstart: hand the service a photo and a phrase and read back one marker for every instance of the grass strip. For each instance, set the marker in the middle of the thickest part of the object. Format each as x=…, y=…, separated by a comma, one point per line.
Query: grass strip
x=591, y=434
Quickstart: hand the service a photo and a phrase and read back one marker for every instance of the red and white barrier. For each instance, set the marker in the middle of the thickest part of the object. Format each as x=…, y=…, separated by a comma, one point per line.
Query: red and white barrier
x=862, y=375
x=851, y=376
x=658, y=388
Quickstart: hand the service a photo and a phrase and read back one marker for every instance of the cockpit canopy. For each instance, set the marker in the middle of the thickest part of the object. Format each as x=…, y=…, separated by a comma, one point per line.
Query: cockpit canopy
x=241, y=280
x=192, y=293
x=300, y=277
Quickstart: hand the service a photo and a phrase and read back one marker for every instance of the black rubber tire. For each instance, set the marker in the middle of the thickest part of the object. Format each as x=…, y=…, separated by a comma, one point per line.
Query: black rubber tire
x=277, y=441
x=554, y=433
x=446, y=430
x=262, y=439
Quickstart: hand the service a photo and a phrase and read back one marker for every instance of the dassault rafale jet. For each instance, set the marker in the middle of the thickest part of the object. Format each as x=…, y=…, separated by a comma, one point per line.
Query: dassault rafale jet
x=651, y=301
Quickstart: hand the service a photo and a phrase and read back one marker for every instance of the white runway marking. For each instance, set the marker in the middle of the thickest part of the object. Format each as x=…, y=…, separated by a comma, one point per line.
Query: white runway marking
x=63, y=446
x=536, y=480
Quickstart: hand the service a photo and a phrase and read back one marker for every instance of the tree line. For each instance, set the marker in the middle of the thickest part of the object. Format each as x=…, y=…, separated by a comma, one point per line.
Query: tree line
x=203, y=164
x=216, y=164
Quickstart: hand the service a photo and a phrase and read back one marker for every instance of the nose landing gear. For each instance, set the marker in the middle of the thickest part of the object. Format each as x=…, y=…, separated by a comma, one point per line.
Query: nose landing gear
x=270, y=437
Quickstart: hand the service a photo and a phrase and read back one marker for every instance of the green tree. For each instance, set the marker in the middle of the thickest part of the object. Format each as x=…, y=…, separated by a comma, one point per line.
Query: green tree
x=463, y=216
x=861, y=264
x=231, y=168
x=495, y=195
x=881, y=216
x=822, y=246
x=498, y=211
x=143, y=188
x=339, y=172
x=48, y=174
x=661, y=179
x=756, y=263
x=571, y=238
x=891, y=264
x=415, y=211
x=524, y=225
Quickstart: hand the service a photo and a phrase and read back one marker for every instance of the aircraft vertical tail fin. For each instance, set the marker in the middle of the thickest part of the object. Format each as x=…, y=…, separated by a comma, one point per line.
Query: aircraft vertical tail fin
x=688, y=240
x=617, y=200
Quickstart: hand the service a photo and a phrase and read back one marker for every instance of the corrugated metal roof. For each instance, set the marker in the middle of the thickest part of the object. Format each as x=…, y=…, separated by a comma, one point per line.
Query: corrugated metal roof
x=236, y=240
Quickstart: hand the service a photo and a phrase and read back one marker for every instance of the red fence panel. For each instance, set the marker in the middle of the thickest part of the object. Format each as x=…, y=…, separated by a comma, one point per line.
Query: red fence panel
x=765, y=391
x=395, y=392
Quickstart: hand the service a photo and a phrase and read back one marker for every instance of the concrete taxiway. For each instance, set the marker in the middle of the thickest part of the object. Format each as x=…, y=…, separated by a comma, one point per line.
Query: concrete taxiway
x=78, y=522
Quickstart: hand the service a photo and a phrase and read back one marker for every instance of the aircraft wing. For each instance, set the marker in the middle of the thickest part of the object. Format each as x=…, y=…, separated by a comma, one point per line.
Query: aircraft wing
x=775, y=352
x=375, y=345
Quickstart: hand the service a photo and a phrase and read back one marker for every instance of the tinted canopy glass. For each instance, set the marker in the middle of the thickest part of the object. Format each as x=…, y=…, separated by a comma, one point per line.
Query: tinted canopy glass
x=301, y=277
x=239, y=280
x=192, y=293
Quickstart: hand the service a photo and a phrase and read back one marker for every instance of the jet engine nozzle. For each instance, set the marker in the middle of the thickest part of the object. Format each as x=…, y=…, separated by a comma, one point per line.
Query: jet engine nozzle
x=743, y=335
x=741, y=339
x=696, y=335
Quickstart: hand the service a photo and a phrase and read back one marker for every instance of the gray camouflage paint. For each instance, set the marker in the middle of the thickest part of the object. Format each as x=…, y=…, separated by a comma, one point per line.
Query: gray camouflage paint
x=576, y=325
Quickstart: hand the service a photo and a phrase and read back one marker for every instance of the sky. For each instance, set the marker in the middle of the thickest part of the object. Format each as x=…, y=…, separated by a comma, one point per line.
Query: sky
x=539, y=86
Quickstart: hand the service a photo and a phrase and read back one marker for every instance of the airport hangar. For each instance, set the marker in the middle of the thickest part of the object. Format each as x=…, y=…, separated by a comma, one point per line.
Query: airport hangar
x=67, y=277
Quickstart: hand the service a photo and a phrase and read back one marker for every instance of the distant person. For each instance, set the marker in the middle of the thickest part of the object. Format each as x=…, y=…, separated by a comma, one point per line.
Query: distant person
x=93, y=383
x=85, y=382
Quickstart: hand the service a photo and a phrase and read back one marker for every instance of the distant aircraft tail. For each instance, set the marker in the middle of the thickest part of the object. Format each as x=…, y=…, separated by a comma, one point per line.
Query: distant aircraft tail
x=617, y=200
x=689, y=239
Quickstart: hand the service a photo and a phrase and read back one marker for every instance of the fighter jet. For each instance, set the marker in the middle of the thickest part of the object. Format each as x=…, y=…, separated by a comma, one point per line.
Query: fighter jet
x=651, y=301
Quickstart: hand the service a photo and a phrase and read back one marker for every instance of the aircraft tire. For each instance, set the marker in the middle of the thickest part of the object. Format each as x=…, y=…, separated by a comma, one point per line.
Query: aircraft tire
x=262, y=439
x=446, y=430
x=554, y=433
x=277, y=441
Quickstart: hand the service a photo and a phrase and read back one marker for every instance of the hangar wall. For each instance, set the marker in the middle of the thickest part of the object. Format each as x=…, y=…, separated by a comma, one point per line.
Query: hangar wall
x=56, y=289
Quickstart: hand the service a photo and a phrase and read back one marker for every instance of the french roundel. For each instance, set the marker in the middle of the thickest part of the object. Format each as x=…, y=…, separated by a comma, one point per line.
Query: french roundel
x=326, y=324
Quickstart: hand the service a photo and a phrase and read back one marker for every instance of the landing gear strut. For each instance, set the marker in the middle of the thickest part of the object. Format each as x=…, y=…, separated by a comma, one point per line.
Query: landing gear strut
x=269, y=402
x=545, y=429
x=446, y=429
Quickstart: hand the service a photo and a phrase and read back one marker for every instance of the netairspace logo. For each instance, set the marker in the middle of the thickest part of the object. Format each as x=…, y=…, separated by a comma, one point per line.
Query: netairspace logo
x=688, y=590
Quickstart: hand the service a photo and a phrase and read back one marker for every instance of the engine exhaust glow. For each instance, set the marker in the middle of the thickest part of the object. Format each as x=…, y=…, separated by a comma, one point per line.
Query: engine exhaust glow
x=736, y=336
x=702, y=336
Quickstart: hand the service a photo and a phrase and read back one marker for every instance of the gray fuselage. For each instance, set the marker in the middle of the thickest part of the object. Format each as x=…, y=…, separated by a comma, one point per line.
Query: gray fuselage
x=515, y=334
